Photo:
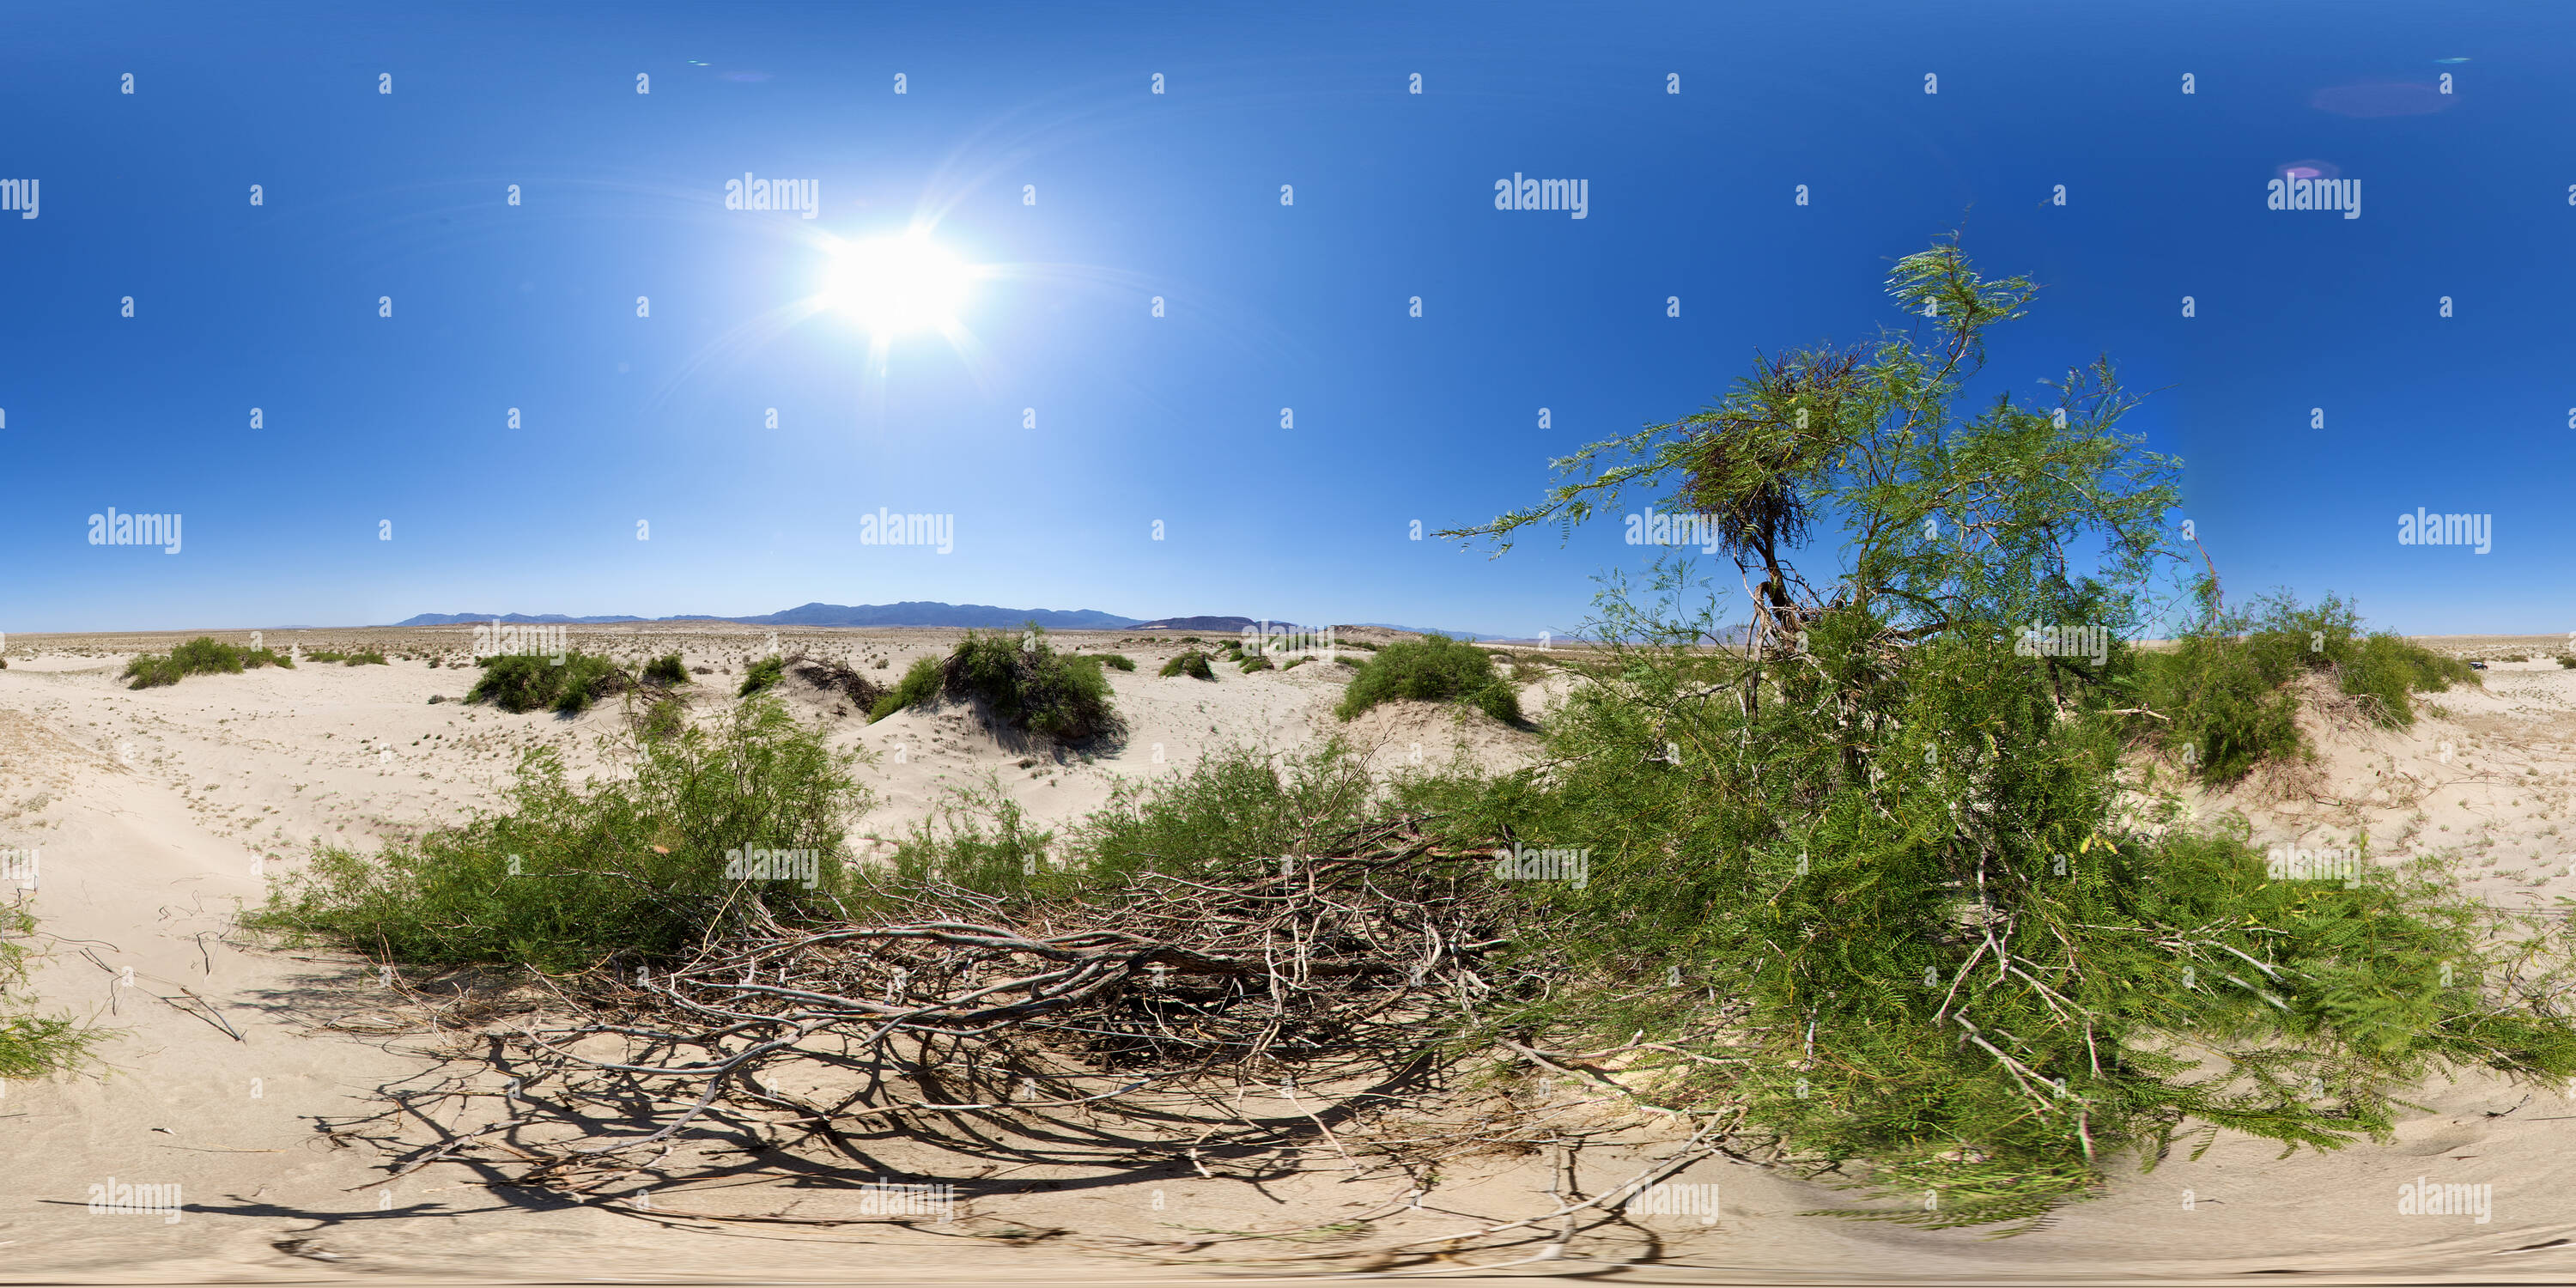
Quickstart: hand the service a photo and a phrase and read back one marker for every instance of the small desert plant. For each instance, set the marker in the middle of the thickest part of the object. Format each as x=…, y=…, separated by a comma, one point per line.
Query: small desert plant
x=1436, y=669
x=666, y=670
x=764, y=674
x=1256, y=662
x=1118, y=660
x=1191, y=663
x=31, y=1045
x=918, y=687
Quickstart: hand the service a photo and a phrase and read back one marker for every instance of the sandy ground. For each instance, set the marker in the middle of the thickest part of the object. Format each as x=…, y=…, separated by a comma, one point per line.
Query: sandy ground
x=249, y=1078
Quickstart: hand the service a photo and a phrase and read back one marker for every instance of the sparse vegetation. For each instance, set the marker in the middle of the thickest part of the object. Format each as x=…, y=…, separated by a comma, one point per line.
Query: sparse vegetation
x=1436, y=669
x=666, y=670
x=203, y=655
x=1118, y=660
x=1190, y=662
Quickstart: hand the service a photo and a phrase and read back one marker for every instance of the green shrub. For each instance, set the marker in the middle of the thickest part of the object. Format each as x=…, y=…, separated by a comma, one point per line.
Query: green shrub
x=566, y=877
x=919, y=687
x=200, y=656
x=2567, y=660
x=1118, y=660
x=2225, y=689
x=1257, y=662
x=1191, y=663
x=1027, y=683
x=1436, y=669
x=763, y=675
x=32, y=1045
x=666, y=670
x=523, y=682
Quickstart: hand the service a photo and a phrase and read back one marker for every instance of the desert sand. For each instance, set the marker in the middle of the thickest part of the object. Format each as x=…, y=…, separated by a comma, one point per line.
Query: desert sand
x=257, y=1080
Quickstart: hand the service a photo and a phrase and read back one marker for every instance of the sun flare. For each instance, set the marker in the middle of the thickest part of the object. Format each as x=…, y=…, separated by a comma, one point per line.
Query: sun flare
x=897, y=284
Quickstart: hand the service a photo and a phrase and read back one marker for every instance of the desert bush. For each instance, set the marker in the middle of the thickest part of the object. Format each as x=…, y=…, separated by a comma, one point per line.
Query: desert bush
x=203, y=655
x=919, y=687
x=1025, y=682
x=1191, y=663
x=1256, y=662
x=1436, y=669
x=365, y=657
x=520, y=682
x=2225, y=692
x=565, y=877
x=764, y=674
x=1118, y=660
x=666, y=670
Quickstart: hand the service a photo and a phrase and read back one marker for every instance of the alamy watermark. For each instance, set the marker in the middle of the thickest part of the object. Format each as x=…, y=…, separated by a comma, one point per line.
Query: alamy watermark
x=117, y=1198
x=2290, y=863
x=798, y=196
x=2424, y=528
x=1573, y=196
x=1694, y=529
x=2092, y=642
x=2301, y=192
x=1527, y=863
x=1277, y=640
x=2421, y=1197
x=118, y=529
x=1674, y=1198
x=774, y=865
x=515, y=640
x=897, y=1198
x=886, y=528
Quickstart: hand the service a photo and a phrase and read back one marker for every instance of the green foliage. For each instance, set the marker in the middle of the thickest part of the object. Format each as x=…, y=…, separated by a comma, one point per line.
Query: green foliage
x=566, y=877
x=1191, y=663
x=1025, y=682
x=2567, y=660
x=2225, y=691
x=666, y=670
x=1436, y=669
x=1234, y=810
x=1256, y=662
x=1118, y=660
x=200, y=656
x=519, y=682
x=1882, y=871
x=918, y=687
x=763, y=676
x=32, y=1045
x=364, y=657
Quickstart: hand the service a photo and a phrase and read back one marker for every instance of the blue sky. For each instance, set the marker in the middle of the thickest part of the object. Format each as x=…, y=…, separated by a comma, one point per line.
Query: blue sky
x=369, y=420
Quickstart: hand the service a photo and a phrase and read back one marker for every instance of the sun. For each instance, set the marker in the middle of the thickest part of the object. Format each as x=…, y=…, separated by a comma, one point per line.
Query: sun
x=897, y=284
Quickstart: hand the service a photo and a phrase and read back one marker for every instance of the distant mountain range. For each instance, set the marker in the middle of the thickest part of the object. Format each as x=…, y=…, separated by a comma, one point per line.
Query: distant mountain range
x=910, y=613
